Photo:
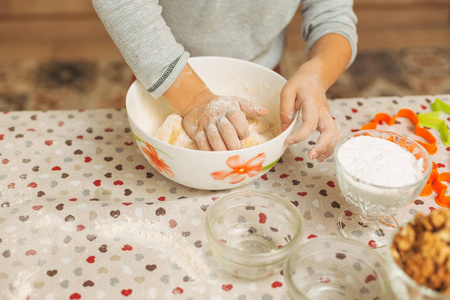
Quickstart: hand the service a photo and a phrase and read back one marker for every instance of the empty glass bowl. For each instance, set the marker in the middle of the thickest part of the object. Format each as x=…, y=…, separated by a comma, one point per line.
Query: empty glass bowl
x=336, y=268
x=369, y=219
x=251, y=233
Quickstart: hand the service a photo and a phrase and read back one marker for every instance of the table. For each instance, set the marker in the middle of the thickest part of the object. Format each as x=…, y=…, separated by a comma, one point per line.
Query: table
x=84, y=216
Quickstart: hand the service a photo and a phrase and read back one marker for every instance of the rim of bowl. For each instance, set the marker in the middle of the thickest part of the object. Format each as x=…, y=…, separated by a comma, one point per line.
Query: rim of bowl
x=286, y=268
x=411, y=282
x=348, y=136
x=257, y=256
x=128, y=97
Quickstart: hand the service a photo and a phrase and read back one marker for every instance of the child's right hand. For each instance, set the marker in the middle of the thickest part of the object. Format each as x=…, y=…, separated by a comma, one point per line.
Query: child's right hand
x=220, y=122
x=214, y=122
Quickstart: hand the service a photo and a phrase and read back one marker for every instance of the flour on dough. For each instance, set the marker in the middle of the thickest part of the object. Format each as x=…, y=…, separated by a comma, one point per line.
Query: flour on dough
x=172, y=132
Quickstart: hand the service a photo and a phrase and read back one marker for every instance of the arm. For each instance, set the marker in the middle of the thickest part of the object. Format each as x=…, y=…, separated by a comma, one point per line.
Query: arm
x=144, y=40
x=333, y=50
x=160, y=63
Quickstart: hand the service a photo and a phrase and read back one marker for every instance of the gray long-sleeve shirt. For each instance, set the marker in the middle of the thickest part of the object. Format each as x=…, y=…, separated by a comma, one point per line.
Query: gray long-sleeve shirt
x=157, y=37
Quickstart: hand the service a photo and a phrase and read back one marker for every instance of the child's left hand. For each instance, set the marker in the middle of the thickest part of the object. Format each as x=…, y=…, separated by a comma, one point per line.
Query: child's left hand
x=305, y=92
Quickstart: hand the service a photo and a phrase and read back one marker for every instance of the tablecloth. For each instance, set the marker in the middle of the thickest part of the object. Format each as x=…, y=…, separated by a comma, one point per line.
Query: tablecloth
x=84, y=216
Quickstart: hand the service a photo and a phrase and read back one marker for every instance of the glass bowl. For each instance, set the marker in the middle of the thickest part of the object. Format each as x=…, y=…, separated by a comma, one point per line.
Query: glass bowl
x=406, y=288
x=369, y=219
x=251, y=233
x=336, y=268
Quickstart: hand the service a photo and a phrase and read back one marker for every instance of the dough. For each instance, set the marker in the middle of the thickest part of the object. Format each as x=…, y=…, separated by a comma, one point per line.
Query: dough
x=172, y=132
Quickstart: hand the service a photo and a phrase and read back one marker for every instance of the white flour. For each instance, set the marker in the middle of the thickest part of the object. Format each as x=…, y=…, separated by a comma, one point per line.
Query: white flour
x=172, y=132
x=380, y=162
x=150, y=233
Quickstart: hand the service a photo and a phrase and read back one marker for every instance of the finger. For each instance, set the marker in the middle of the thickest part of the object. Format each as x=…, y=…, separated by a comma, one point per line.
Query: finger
x=330, y=149
x=228, y=133
x=287, y=108
x=253, y=109
x=202, y=141
x=326, y=143
x=310, y=118
x=239, y=121
x=214, y=138
x=324, y=140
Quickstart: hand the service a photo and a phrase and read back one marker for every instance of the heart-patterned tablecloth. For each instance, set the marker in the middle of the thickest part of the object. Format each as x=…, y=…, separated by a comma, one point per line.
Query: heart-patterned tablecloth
x=84, y=216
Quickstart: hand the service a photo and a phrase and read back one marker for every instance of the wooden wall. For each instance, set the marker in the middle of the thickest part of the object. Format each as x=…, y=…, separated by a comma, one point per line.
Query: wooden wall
x=70, y=28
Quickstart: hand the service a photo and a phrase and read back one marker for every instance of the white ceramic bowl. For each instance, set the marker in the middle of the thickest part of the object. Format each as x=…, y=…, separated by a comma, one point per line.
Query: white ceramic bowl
x=194, y=168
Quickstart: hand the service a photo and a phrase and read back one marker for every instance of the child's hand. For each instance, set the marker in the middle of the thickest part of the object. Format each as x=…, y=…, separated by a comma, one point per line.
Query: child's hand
x=214, y=122
x=305, y=92
x=219, y=122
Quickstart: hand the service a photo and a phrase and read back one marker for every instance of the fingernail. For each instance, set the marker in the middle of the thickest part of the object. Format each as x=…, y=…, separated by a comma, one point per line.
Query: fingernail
x=313, y=155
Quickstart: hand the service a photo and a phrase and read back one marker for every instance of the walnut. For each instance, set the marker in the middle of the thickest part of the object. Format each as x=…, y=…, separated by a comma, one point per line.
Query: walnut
x=422, y=250
x=405, y=238
x=443, y=255
x=445, y=235
x=435, y=282
x=438, y=220
x=426, y=223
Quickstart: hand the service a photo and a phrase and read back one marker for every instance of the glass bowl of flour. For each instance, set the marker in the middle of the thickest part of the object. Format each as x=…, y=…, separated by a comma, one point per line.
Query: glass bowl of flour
x=378, y=172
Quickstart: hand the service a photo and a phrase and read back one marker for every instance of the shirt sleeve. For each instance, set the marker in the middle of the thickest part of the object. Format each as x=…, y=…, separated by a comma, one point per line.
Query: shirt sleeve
x=144, y=40
x=321, y=17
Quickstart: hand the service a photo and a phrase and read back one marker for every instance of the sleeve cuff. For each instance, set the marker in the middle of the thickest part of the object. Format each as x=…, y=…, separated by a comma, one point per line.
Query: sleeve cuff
x=168, y=75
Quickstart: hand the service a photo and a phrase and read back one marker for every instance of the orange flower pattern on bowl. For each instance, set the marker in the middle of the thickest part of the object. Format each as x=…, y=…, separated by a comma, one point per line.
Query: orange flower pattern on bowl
x=156, y=162
x=240, y=168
